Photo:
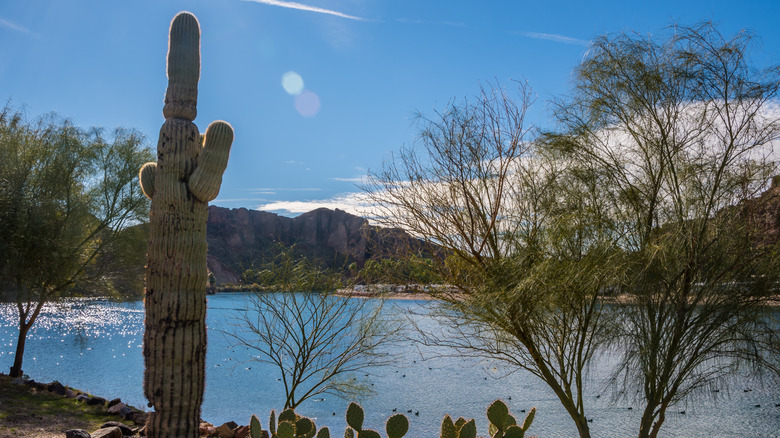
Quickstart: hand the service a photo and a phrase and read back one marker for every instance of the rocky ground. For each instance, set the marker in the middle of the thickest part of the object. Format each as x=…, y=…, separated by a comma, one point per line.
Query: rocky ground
x=30, y=409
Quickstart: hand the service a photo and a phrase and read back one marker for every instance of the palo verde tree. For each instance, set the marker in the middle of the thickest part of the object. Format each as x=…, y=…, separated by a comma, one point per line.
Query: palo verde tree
x=66, y=197
x=319, y=342
x=681, y=130
x=526, y=242
x=186, y=176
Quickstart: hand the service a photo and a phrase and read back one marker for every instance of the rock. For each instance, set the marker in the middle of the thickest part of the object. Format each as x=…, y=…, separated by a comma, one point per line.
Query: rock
x=96, y=401
x=56, y=387
x=113, y=402
x=241, y=432
x=77, y=433
x=126, y=430
x=82, y=397
x=18, y=381
x=231, y=424
x=70, y=393
x=140, y=417
x=203, y=428
x=108, y=432
x=127, y=412
x=116, y=409
x=207, y=429
x=225, y=431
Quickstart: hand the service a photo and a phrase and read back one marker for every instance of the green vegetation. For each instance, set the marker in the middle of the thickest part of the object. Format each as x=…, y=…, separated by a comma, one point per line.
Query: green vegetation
x=68, y=203
x=287, y=271
x=413, y=269
x=677, y=133
x=644, y=196
x=292, y=425
x=31, y=413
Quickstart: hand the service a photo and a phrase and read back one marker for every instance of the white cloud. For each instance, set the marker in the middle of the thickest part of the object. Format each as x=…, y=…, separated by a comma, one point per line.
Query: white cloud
x=354, y=203
x=302, y=7
x=555, y=37
x=355, y=179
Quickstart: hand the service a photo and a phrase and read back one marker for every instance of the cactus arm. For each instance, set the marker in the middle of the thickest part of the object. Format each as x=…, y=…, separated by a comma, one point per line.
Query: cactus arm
x=205, y=181
x=146, y=178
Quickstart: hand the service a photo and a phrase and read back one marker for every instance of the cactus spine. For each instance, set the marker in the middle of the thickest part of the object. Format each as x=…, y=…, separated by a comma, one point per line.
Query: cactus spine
x=186, y=176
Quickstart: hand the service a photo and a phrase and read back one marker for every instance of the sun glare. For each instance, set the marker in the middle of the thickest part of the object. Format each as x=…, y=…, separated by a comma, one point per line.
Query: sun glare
x=292, y=83
x=307, y=103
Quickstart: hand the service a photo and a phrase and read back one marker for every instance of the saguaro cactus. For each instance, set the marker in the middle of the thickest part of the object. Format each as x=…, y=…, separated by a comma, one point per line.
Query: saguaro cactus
x=186, y=176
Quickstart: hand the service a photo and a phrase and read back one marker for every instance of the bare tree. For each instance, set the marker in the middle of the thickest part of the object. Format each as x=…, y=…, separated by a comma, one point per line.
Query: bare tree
x=682, y=130
x=530, y=246
x=318, y=342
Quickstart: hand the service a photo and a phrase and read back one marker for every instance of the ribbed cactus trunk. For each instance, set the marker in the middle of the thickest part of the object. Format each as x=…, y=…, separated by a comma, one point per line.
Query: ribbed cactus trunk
x=186, y=176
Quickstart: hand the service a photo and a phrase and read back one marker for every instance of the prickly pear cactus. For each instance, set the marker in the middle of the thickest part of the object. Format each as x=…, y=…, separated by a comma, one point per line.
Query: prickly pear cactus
x=186, y=176
x=503, y=424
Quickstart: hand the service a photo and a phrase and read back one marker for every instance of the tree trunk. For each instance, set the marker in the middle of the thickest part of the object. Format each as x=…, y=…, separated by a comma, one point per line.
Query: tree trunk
x=16, y=369
x=186, y=176
x=646, y=424
x=24, y=328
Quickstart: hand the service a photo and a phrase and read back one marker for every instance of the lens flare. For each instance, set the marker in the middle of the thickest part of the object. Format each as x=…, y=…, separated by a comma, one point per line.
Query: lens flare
x=307, y=103
x=292, y=83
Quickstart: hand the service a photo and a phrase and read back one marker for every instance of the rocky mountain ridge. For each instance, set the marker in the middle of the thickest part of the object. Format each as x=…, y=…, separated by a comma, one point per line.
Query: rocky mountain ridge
x=241, y=238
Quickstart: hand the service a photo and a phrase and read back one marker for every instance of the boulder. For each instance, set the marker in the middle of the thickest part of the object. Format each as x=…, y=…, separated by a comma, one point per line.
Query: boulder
x=139, y=417
x=127, y=413
x=82, y=397
x=126, y=430
x=18, y=381
x=108, y=432
x=96, y=401
x=231, y=424
x=77, y=433
x=70, y=393
x=116, y=409
x=113, y=402
x=56, y=387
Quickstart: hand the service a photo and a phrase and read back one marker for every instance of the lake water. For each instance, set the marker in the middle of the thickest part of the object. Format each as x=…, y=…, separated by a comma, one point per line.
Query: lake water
x=95, y=345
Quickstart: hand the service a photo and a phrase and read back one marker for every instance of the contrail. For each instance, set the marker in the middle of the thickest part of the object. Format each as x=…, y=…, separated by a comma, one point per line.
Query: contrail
x=557, y=38
x=302, y=7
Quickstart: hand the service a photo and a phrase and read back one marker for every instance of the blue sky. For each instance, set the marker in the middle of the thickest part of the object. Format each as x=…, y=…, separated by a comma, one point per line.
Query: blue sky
x=319, y=91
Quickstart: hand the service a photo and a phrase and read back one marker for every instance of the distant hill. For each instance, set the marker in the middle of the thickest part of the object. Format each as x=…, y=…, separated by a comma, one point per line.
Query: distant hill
x=240, y=238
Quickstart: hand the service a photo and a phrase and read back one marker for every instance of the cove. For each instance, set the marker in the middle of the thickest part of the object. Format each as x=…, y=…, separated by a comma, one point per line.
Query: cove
x=95, y=345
